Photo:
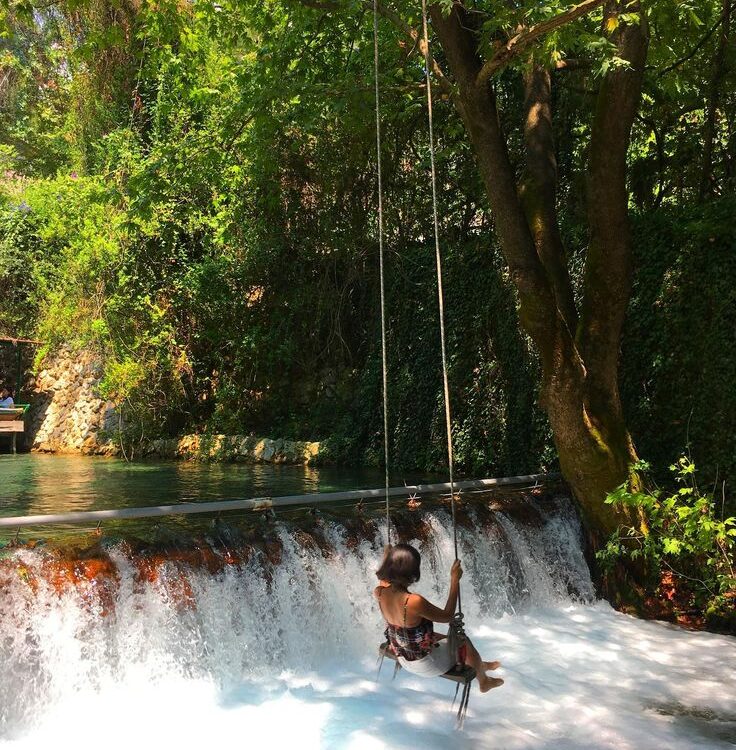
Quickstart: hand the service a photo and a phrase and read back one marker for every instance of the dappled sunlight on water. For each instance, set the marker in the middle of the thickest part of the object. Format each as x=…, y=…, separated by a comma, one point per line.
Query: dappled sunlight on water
x=276, y=644
x=38, y=483
x=557, y=695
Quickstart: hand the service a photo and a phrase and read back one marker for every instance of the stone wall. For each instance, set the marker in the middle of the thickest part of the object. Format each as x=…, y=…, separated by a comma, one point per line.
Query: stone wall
x=67, y=414
x=239, y=448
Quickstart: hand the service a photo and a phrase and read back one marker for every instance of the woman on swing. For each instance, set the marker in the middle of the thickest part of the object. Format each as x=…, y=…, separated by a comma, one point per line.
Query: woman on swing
x=410, y=617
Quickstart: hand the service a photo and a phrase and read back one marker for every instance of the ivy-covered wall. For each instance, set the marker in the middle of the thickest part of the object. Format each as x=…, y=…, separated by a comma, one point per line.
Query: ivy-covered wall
x=498, y=427
x=678, y=361
x=678, y=374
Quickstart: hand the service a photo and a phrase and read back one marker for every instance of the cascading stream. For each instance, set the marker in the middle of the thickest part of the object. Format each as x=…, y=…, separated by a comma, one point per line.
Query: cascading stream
x=294, y=605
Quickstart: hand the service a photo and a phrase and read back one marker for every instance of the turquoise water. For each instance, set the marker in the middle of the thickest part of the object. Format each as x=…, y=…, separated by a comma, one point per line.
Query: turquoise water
x=280, y=651
x=32, y=484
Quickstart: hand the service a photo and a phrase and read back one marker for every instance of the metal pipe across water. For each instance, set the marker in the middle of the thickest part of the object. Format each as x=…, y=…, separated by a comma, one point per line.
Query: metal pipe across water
x=263, y=503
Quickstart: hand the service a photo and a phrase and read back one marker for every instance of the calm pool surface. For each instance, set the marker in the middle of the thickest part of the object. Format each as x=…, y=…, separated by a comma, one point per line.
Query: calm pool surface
x=32, y=484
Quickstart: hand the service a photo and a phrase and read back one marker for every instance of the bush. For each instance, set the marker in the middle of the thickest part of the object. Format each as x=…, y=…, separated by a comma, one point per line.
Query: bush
x=59, y=241
x=685, y=538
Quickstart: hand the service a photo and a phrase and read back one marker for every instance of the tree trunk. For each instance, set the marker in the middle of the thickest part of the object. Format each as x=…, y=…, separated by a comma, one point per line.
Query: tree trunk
x=579, y=387
x=711, y=111
x=539, y=189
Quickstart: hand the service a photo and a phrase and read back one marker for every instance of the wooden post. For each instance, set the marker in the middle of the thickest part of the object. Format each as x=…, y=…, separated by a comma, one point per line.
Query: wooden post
x=19, y=381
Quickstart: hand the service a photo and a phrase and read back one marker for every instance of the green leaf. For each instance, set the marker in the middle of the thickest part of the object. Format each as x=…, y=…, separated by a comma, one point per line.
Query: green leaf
x=671, y=546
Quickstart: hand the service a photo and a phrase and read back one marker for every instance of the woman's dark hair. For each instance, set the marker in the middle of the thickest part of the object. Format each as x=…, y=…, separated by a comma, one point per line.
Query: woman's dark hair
x=400, y=565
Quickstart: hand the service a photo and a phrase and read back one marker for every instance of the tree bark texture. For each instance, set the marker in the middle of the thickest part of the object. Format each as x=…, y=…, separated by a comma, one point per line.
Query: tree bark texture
x=578, y=350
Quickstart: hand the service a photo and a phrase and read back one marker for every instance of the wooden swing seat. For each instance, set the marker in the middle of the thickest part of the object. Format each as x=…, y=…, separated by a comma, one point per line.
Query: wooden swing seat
x=463, y=675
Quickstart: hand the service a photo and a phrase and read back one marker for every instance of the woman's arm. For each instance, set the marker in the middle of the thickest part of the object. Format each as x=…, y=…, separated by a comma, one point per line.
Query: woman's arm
x=422, y=608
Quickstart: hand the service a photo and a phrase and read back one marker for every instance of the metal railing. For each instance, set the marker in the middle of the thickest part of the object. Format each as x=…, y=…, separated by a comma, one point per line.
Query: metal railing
x=263, y=503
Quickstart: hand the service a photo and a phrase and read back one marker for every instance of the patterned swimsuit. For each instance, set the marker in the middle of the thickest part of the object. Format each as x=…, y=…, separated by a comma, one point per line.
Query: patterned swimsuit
x=412, y=643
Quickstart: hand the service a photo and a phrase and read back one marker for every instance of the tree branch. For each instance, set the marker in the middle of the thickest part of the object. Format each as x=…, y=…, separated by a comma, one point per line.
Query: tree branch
x=708, y=34
x=573, y=63
x=321, y=4
x=528, y=36
x=416, y=38
x=709, y=131
x=539, y=189
x=477, y=107
x=608, y=266
x=408, y=31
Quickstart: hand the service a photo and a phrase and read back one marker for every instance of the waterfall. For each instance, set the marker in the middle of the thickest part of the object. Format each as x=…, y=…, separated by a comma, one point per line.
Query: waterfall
x=231, y=612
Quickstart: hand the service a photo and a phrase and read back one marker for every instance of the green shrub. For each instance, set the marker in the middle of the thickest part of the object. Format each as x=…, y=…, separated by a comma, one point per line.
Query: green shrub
x=60, y=241
x=686, y=535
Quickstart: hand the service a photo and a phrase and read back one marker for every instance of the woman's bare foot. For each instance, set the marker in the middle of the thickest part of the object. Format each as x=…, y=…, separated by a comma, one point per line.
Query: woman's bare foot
x=488, y=683
x=489, y=666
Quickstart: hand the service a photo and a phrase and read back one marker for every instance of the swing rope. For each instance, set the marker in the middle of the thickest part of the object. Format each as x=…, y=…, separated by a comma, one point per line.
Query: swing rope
x=457, y=631
x=384, y=367
x=457, y=622
x=440, y=289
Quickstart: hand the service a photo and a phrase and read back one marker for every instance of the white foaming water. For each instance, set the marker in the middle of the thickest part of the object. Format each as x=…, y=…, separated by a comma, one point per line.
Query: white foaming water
x=285, y=653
